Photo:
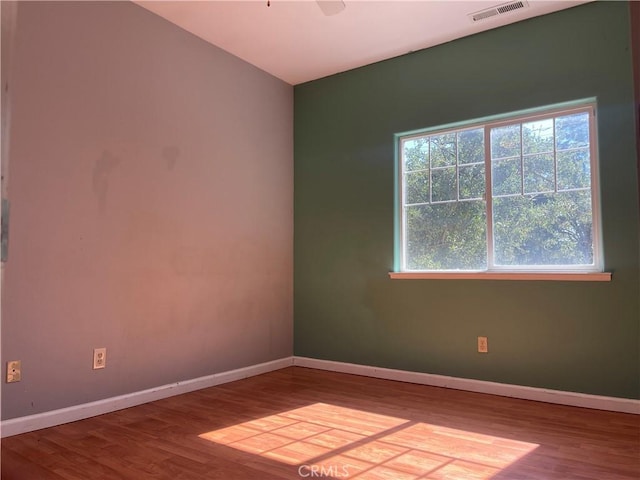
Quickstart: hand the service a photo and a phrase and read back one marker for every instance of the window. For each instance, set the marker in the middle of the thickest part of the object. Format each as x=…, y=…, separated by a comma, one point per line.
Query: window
x=515, y=194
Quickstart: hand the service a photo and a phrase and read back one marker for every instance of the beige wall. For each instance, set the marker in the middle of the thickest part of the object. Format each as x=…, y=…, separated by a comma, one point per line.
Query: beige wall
x=151, y=188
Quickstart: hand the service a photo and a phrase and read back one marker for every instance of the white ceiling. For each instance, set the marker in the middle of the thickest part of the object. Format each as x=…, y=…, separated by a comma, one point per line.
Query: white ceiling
x=296, y=42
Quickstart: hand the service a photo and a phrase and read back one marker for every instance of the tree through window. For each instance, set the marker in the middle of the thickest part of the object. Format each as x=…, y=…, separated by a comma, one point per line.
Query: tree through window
x=517, y=194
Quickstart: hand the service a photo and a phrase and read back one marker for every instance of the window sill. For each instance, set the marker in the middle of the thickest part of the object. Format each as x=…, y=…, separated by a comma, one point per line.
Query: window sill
x=560, y=276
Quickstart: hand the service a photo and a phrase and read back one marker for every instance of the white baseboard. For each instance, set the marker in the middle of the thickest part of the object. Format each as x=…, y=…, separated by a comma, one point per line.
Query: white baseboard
x=30, y=423
x=625, y=405
x=38, y=421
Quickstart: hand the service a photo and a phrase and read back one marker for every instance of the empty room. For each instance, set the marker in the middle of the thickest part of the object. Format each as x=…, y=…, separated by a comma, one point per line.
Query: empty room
x=320, y=239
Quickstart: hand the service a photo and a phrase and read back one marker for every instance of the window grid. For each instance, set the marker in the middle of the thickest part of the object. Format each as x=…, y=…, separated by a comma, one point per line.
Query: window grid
x=457, y=176
x=555, y=156
x=488, y=195
x=522, y=169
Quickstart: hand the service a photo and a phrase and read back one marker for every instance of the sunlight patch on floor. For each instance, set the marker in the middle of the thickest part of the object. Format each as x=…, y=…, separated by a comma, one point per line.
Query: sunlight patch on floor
x=326, y=440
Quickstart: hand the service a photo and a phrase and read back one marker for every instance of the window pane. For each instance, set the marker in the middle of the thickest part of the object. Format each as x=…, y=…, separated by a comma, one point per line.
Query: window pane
x=417, y=187
x=443, y=184
x=416, y=154
x=574, y=169
x=471, y=146
x=448, y=236
x=471, y=181
x=443, y=150
x=539, y=174
x=540, y=193
x=538, y=136
x=546, y=229
x=506, y=177
x=505, y=141
x=572, y=131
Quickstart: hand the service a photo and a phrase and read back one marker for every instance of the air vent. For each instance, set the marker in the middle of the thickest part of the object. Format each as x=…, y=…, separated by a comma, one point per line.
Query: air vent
x=499, y=10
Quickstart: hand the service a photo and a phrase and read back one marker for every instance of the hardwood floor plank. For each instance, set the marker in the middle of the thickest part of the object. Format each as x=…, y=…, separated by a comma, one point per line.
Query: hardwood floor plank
x=294, y=422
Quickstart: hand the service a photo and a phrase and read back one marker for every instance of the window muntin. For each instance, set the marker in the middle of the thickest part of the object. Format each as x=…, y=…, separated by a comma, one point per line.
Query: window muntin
x=519, y=194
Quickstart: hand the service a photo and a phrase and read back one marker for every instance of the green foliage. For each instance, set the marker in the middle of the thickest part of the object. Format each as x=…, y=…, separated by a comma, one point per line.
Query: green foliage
x=541, y=194
x=545, y=229
x=446, y=236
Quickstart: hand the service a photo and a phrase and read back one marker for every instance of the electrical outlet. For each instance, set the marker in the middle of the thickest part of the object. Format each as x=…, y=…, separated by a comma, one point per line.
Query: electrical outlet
x=14, y=373
x=483, y=345
x=99, y=358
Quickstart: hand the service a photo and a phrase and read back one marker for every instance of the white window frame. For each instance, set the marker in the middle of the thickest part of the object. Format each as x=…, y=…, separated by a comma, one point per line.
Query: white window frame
x=593, y=272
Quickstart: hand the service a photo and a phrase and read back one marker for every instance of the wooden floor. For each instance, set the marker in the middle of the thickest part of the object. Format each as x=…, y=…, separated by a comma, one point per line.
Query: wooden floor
x=302, y=423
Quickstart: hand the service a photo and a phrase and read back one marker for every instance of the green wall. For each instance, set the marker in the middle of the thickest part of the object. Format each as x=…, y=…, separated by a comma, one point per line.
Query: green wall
x=572, y=336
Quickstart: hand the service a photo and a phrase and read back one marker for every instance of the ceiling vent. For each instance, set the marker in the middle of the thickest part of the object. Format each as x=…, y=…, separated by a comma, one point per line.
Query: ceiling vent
x=499, y=10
